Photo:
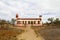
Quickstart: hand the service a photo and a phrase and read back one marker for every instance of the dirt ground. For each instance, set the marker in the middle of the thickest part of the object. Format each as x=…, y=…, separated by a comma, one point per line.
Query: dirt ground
x=29, y=34
x=50, y=34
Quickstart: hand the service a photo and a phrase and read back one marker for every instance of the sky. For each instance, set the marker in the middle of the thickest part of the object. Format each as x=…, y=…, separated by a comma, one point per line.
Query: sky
x=29, y=8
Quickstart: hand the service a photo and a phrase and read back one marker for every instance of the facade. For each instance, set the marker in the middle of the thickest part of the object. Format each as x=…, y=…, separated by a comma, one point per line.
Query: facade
x=21, y=22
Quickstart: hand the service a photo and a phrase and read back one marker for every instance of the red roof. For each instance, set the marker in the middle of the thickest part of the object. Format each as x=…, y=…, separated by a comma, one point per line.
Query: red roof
x=29, y=19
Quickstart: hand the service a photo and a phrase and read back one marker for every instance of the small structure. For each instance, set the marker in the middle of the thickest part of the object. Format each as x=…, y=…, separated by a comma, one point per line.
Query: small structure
x=20, y=22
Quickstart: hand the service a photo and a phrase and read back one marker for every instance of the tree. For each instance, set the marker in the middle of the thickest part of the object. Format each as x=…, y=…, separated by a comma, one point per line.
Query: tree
x=3, y=23
x=51, y=20
x=12, y=21
x=57, y=21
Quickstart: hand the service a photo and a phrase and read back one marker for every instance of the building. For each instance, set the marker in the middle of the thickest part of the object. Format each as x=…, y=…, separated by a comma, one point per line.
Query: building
x=21, y=22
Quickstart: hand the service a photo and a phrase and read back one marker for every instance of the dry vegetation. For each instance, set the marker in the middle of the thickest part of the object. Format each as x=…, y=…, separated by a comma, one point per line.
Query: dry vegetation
x=9, y=34
x=48, y=33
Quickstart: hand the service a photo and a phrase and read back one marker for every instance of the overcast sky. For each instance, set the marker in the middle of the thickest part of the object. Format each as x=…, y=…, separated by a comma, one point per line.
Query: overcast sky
x=29, y=8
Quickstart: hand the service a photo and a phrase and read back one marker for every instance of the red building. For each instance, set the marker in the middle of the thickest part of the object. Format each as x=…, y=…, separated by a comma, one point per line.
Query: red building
x=28, y=21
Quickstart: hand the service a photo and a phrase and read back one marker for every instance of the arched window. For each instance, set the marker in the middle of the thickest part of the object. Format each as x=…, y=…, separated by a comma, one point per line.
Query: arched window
x=38, y=22
x=23, y=22
x=34, y=22
x=29, y=22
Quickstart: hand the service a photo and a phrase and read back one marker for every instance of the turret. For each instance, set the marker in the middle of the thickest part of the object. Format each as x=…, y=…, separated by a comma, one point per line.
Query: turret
x=17, y=16
x=40, y=16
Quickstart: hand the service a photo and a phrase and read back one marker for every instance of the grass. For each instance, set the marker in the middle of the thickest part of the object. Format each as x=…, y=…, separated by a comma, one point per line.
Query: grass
x=48, y=33
x=9, y=34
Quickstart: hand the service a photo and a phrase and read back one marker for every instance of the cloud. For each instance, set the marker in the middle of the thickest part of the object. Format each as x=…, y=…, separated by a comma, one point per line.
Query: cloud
x=30, y=8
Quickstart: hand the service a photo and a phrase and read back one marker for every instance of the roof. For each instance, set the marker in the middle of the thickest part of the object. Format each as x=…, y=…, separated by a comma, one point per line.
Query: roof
x=29, y=19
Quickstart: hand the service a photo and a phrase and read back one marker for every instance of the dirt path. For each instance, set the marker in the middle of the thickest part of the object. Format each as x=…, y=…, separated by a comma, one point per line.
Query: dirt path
x=29, y=34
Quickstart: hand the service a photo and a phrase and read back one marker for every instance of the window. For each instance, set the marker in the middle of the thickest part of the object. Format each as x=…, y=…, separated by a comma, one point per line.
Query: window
x=38, y=22
x=34, y=22
x=31, y=22
x=18, y=22
x=23, y=22
x=28, y=22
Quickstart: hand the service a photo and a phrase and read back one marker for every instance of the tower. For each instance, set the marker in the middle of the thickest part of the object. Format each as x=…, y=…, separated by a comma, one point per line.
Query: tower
x=40, y=16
